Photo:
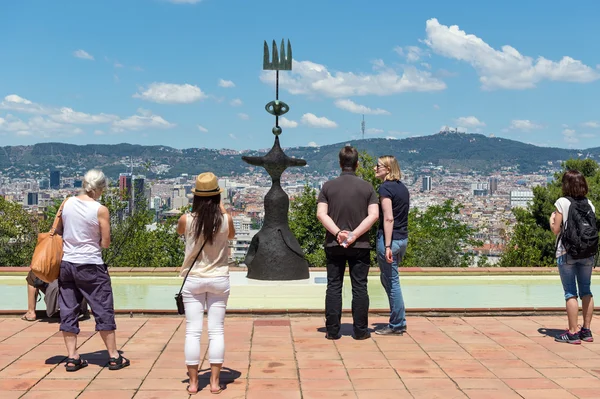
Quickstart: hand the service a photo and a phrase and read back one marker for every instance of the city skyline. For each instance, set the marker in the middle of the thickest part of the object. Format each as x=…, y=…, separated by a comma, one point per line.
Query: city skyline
x=101, y=73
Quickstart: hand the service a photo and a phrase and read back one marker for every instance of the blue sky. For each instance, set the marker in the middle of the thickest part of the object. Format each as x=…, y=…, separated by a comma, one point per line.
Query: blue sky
x=187, y=73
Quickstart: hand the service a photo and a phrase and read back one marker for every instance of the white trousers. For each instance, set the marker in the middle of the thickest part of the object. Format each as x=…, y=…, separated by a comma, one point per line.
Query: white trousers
x=200, y=294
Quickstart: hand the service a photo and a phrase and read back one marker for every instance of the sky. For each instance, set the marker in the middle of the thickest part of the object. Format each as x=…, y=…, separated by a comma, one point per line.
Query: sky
x=188, y=73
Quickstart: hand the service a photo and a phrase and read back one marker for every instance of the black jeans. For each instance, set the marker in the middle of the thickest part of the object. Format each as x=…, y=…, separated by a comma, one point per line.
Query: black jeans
x=359, y=262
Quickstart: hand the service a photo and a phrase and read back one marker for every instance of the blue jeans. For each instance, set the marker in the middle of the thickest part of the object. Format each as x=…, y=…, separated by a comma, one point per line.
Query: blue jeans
x=575, y=273
x=391, y=280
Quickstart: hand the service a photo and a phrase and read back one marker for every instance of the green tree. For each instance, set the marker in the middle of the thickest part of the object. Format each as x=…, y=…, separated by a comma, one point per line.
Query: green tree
x=530, y=244
x=306, y=227
x=437, y=238
x=135, y=241
x=18, y=234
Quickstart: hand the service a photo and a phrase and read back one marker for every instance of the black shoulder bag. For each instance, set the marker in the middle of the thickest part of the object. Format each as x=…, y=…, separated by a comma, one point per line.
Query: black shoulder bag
x=178, y=296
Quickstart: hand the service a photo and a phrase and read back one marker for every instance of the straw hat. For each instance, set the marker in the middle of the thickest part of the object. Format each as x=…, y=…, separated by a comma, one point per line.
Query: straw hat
x=207, y=185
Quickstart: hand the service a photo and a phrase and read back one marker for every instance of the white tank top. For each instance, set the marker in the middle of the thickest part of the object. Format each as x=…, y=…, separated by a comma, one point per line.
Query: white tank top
x=81, y=232
x=212, y=262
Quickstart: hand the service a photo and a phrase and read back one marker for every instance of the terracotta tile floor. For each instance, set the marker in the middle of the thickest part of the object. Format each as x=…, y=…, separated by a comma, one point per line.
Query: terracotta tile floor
x=288, y=357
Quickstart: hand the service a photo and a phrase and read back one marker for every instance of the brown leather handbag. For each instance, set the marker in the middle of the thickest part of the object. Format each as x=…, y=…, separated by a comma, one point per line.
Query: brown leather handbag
x=48, y=253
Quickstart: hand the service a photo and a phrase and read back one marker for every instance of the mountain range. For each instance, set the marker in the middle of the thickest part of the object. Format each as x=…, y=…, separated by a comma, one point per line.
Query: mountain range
x=457, y=152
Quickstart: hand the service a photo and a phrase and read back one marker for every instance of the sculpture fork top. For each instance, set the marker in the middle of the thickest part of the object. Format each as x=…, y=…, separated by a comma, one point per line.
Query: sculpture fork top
x=281, y=61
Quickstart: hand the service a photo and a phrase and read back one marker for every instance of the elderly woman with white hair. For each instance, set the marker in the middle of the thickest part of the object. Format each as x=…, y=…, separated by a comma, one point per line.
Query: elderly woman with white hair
x=83, y=273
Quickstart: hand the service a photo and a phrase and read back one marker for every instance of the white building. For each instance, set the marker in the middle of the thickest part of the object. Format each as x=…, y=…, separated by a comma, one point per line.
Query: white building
x=240, y=244
x=242, y=223
x=521, y=198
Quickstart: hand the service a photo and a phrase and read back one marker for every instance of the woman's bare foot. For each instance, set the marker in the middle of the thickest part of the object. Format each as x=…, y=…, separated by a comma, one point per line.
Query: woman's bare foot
x=192, y=389
x=215, y=382
x=193, y=375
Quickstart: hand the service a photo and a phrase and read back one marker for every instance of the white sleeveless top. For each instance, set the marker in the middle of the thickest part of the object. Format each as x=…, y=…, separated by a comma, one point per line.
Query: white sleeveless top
x=81, y=232
x=212, y=262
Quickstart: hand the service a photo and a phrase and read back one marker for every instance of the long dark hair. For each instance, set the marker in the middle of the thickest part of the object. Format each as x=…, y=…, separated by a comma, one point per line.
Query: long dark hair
x=208, y=217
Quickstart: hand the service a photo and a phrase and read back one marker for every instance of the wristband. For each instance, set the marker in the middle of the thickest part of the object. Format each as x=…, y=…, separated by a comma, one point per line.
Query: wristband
x=337, y=234
x=388, y=246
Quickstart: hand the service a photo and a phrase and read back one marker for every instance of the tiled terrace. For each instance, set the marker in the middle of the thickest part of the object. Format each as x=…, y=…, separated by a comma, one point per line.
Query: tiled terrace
x=288, y=357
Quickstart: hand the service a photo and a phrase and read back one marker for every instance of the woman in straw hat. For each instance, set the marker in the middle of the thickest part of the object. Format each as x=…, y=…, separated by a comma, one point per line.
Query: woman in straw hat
x=207, y=229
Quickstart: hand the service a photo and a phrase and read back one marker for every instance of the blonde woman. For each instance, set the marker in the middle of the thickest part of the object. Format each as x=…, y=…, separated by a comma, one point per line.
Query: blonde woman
x=83, y=273
x=206, y=229
x=392, y=239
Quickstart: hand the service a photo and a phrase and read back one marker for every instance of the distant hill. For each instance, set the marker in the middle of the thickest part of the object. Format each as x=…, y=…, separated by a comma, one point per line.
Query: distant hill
x=455, y=151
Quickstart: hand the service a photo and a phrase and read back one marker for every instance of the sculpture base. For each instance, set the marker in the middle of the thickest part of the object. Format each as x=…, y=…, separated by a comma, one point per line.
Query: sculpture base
x=274, y=255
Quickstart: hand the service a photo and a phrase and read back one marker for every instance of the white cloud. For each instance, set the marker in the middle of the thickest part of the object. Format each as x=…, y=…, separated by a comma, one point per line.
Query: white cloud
x=68, y=116
x=286, y=123
x=469, y=121
x=505, y=68
x=138, y=68
x=374, y=131
x=412, y=53
x=435, y=106
x=144, y=119
x=169, y=93
x=591, y=124
x=202, y=129
x=99, y=132
x=38, y=126
x=84, y=55
x=312, y=144
x=351, y=106
x=310, y=78
x=587, y=136
x=62, y=122
x=232, y=136
x=226, y=83
x=13, y=98
x=117, y=64
x=236, y=102
x=397, y=133
x=243, y=116
x=312, y=120
x=570, y=136
x=524, y=125
x=14, y=102
x=63, y=115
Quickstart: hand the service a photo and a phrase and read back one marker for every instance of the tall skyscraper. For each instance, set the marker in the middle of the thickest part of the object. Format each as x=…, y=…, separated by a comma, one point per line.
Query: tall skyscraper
x=55, y=179
x=426, y=183
x=32, y=199
x=139, y=194
x=125, y=184
x=493, y=185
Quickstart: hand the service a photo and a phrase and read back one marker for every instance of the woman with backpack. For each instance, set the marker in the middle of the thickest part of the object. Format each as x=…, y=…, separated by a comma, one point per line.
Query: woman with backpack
x=574, y=224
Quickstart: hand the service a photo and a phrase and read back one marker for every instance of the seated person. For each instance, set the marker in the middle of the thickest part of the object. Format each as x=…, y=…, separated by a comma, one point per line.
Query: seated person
x=50, y=291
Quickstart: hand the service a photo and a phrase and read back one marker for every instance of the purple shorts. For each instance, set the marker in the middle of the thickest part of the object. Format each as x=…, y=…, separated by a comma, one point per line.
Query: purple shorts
x=89, y=281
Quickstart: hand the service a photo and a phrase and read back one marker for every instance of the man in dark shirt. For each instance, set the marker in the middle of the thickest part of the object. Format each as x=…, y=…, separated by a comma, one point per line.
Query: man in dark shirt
x=347, y=207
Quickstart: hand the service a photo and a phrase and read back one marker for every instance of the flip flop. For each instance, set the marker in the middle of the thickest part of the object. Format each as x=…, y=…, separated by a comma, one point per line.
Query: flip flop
x=24, y=317
x=217, y=392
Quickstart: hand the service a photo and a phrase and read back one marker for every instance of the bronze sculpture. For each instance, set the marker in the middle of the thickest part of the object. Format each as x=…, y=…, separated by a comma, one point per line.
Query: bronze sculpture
x=274, y=253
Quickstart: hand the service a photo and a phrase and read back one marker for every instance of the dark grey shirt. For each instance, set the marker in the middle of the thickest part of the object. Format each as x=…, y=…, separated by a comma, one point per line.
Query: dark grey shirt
x=348, y=198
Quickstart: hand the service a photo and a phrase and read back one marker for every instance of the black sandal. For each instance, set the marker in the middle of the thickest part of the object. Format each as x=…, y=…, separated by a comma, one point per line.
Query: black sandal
x=117, y=363
x=77, y=364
